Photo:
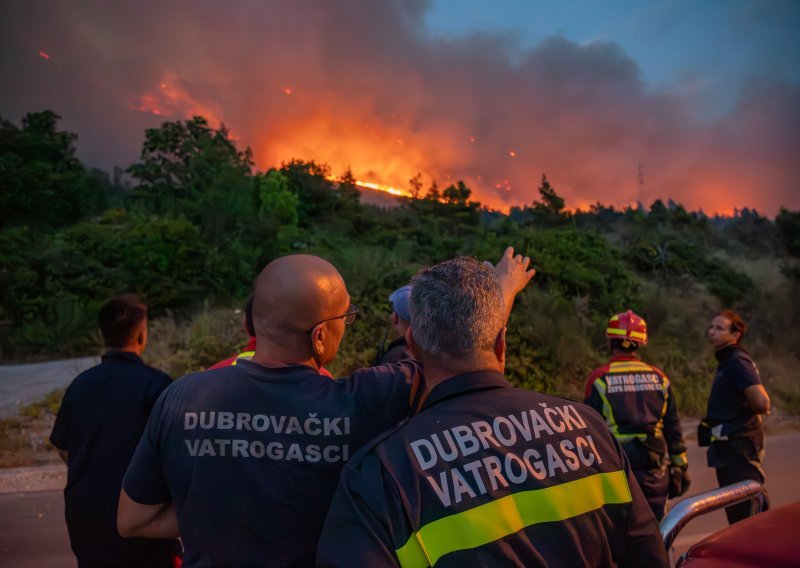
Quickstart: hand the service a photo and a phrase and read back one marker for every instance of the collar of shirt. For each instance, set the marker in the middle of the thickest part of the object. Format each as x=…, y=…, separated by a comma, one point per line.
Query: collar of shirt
x=277, y=373
x=616, y=358
x=117, y=354
x=724, y=355
x=466, y=382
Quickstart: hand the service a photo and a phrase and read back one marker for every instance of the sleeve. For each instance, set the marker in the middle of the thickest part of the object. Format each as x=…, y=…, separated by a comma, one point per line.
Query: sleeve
x=144, y=481
x=359, y=527
x=643, y=544
x=386, y=391
x=592, y=397
x=673, y=431
x=159, y=383
x=59, y=437
x=745, y=373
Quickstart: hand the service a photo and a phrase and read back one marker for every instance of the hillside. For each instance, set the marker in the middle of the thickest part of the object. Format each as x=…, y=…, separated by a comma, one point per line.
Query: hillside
x=189, y=226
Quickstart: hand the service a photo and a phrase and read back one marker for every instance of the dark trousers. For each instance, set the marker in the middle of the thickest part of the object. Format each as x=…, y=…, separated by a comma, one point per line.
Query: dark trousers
x=648, y=462
x=738, y=460
x=655, y=486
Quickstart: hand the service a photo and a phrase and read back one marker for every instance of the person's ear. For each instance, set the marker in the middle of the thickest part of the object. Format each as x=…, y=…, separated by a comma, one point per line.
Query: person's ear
x=141, y=337
x=318, y=336
x=410, y=343
x=395, y=318
x=500, y=347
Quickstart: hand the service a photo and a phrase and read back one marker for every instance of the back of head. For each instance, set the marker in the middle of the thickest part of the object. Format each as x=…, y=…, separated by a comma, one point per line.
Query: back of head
x=120, y=319
x=457, y=309
x=626, y=331
x=292, y=294
x=400, y=302
x=737, y=323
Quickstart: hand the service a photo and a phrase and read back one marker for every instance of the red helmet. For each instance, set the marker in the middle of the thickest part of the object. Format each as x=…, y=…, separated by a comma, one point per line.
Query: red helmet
x=627, y=325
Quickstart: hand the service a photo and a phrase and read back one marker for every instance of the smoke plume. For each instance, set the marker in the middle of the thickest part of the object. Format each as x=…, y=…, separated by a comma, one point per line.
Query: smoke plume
x=363, y=84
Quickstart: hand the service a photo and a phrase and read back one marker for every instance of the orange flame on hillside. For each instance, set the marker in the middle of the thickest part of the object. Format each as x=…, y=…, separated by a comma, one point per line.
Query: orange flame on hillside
x=377, y=186
x=385, y=152
x=171, y=97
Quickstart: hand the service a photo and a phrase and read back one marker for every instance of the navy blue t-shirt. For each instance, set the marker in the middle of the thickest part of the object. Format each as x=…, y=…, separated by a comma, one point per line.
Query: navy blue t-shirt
x=727, y=403
x=102, y=417
x=250, y=455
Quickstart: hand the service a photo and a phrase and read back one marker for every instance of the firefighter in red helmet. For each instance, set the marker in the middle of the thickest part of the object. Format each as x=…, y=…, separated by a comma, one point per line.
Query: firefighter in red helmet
x=636, y=400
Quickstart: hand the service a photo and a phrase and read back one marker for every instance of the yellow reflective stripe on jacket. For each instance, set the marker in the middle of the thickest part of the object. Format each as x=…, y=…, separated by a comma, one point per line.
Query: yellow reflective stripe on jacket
x=679, y=460
x=665, y=389
x=628, y=367
x=608, y=413
x=245, y=355
x=492, y=521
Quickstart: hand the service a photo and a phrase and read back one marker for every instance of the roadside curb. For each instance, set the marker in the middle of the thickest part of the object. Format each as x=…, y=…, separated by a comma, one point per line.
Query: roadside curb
x=29, y=479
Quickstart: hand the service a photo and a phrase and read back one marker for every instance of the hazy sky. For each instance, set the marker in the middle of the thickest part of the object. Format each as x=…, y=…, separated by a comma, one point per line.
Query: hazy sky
x=701, y=97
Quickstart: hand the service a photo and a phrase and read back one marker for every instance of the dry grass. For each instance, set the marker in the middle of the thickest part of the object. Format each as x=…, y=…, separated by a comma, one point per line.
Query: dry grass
x=182, y=347
x=24, y=439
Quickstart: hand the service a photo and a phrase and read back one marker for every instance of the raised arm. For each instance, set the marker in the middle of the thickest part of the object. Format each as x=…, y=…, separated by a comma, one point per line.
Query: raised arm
x=513, y=274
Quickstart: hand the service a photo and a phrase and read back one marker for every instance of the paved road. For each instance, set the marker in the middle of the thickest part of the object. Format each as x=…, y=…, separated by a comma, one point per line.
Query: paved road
x=32, y=531
x=781, y=466
x=33, y=534
x=24, y=384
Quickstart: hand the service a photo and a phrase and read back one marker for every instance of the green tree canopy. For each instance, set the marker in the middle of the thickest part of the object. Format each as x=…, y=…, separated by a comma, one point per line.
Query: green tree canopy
x=41, y=181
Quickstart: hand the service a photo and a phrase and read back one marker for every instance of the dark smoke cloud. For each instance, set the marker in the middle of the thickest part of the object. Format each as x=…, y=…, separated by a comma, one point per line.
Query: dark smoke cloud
x=370, y=88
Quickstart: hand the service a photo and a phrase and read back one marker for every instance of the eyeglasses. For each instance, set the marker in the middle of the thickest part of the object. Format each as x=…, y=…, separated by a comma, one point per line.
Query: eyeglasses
x=349, y=317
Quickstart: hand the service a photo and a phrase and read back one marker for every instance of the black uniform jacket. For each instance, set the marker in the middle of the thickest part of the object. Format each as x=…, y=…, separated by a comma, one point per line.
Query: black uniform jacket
x=490, y=475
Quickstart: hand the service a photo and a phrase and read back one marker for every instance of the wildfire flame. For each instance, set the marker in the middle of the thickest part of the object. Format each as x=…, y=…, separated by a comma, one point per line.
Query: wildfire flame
x=171, y=97
x=384, y=151
x=377, y=186
x=150, y=104
x=386, y=188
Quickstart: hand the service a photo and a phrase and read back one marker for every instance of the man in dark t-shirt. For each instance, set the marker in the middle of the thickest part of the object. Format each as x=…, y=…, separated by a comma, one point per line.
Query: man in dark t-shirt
x=734, y=413
x=101, y=419
x=242, y=462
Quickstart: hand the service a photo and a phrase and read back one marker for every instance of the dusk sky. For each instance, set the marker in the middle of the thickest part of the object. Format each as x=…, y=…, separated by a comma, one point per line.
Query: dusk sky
x=617, y=102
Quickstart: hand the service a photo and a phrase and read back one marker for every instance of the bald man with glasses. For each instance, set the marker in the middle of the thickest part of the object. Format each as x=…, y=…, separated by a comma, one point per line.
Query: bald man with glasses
x=242, y=462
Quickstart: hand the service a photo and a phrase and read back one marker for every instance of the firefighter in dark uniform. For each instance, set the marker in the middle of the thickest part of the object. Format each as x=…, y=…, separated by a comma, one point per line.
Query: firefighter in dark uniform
x=636, y=401
x=485, y=474
x=733, y=427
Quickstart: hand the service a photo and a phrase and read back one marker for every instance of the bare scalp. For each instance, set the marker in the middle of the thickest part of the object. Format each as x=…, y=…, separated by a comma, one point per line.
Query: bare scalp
x=292, y=294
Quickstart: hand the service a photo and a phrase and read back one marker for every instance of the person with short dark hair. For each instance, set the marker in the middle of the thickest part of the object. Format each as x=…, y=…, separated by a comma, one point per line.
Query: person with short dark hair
x=636, y=401
x=247, y=326
x=486, y=474
x=102, y=416
x=733, y=427
x=242, y=461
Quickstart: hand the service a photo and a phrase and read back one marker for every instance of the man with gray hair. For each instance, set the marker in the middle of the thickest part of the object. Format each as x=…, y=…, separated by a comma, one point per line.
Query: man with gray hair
x=243, y=461
x=485, y=474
